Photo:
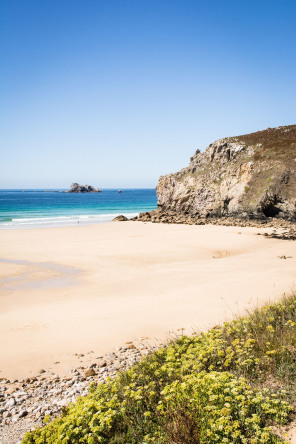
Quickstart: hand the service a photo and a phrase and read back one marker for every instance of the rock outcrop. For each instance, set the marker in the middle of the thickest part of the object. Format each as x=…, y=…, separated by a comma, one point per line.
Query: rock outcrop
x=251, y=176
x=76, y=188
x=120, y=218
x=282, y=228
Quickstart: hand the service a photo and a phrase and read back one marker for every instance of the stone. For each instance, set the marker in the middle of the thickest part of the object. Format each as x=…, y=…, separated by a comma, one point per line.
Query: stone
x=130, y=347
x=102, y=364
x=120, y=218
x=11, y=390
x=89, y=372
x=10, y=403
x=68, y=378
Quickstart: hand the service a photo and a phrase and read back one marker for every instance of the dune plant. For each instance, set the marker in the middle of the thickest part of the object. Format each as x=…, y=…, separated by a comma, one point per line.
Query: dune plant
x=228, y=385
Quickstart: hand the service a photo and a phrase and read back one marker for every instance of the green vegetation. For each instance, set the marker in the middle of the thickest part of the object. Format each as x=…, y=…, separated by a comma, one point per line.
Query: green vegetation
x=271, y=141
x=224, y=386
x=274, y=163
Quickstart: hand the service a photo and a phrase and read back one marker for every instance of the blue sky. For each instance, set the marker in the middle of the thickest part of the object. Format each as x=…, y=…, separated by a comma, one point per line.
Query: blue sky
x=116, y=93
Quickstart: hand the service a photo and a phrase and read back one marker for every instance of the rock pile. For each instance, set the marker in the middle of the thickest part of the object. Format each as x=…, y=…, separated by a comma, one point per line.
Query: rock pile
x=24, y=403
x=283, y=229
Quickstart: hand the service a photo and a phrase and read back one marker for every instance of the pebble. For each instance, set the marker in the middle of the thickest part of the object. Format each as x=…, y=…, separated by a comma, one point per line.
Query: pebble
x=10, y=403
x=89, y=372
x=25, y=403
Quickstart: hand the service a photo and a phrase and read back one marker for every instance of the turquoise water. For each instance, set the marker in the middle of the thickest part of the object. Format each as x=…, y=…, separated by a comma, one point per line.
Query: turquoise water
x=35, y=208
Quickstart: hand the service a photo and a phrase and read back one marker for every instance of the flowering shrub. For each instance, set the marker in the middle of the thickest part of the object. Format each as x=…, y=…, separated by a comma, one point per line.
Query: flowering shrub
x=224, y=408
x=198, y=389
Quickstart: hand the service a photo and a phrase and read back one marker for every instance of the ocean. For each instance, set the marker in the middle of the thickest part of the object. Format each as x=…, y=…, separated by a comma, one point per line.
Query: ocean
x=47, y=208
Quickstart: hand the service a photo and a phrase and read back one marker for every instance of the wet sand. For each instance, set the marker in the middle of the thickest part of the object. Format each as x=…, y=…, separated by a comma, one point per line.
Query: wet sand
x=74, y=290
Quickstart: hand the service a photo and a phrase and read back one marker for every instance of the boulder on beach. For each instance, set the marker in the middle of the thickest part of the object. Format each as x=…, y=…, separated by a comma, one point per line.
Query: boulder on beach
x=120, y=218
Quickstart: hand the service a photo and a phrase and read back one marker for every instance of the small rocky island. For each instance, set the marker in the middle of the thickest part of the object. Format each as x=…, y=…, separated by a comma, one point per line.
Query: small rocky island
x=76, y=188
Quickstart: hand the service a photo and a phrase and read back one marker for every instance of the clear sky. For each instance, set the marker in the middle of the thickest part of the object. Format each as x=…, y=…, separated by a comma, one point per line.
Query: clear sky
x=114, y=93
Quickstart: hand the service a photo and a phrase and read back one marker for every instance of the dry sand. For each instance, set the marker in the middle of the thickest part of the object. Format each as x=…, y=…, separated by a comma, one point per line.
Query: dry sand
x=91, y=288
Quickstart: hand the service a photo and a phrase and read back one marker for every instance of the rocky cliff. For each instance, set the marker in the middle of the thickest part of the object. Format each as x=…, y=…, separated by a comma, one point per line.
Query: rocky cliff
x=246, y=176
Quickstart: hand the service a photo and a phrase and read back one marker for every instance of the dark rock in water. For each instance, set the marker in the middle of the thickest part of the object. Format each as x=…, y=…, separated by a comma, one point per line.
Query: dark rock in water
x=120, y=218
x=250, y=176
x=76, y=188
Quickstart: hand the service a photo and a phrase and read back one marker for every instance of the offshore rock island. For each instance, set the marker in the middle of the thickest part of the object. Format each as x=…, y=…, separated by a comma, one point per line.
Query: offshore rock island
x=250, y=176
x=76, y=188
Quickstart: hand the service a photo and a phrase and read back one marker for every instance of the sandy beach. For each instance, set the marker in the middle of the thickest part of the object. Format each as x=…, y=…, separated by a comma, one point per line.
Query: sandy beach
x=75, y=290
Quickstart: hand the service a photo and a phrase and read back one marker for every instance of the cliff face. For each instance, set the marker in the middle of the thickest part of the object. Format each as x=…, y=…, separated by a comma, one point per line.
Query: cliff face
x=246, y=176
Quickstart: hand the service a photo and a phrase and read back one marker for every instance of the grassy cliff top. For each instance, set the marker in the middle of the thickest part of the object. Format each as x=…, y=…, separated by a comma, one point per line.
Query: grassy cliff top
x=272, y=141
